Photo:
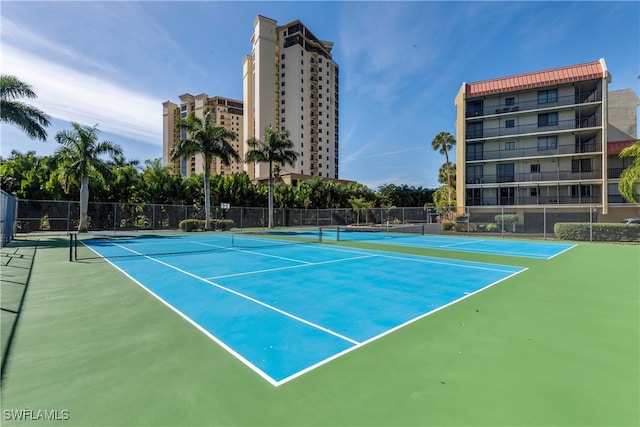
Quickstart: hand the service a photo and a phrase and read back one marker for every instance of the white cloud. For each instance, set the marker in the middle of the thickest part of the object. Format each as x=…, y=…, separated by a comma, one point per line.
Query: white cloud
x=71, y=95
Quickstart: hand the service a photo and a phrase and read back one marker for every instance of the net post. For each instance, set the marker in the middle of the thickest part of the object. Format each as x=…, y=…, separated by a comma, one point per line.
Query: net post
x=337, y=233
x=72, y=237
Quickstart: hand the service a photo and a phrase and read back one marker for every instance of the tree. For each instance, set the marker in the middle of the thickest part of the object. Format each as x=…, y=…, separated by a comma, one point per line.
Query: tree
x=360, y=203
x=157, y=182
x=275, y=149
x=27, y=176
x=443, y=143
x=125, y=185
x=79, y=156
x=210, y=141
x=630, y=177
x=27, y=117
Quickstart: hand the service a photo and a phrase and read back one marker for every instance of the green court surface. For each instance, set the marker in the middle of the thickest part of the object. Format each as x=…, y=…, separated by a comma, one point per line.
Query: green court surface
x=556, y=345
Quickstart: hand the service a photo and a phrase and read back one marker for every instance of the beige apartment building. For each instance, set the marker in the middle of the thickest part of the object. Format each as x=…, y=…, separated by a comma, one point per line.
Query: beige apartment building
x=291, y=82
x=226, y=112
x=547, y=138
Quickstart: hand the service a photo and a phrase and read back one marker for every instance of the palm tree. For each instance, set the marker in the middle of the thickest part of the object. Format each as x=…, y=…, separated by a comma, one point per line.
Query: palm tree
x=275, y=148
x=30, y=119
x=210, y=141
x=79, y=156
x=630, y=177
x=443, y=143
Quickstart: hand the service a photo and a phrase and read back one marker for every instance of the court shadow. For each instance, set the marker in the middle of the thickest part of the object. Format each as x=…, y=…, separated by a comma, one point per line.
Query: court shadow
x=17, y=264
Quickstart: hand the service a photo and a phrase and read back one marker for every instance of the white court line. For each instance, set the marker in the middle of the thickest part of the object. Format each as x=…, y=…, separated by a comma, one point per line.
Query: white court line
x=221, y=343
x=389, y=331
x=427, y=259
x=561, y=252
x=308, y=264
x=247, y=297
x=459, y=244
x=256, y=253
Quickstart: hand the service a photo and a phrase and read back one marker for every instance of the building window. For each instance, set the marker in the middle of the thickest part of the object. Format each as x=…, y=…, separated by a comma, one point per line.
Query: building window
x=474, y=151
x=509, y=123
x=474, y=130
x=547, y=142
x=547, y=96
x=510, y=145
x=507, y=196
x=474, y=108
x=282, y=56
x=282, y=65
x=509, y=101
x=475, y=174
x=535, y=168
x=474, y=196
x=581, y=165
x=581, y=191
x=547, y=119
x=505, y=172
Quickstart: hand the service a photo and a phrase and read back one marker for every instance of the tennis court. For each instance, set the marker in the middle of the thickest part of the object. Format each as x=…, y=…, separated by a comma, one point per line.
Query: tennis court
x=284, y=309
x=92, y=346
x=413, y=235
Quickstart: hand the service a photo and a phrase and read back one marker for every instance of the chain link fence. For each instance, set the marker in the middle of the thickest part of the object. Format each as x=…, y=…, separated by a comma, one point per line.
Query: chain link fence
x=539, y=221
x=8, y=214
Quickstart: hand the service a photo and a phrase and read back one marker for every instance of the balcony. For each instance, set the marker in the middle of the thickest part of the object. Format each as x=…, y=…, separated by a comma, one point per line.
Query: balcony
x=534, y=177
x=581, y=123
x=475, y=110
x=591, y=147
x=533, y=200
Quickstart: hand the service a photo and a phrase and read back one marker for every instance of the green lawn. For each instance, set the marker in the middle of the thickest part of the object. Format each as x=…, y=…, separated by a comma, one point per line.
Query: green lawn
x=557, y=345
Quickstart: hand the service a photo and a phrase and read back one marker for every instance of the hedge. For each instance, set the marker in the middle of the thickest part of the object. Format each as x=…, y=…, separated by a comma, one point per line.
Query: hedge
x=198, y=224
x=602, y=232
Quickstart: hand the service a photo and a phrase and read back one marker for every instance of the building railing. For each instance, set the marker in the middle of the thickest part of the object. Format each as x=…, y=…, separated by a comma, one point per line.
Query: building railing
x=532, y=200
x=475, y=111
x=614, y=173
x=581, y=123
x=562, y=175
x=591, y=147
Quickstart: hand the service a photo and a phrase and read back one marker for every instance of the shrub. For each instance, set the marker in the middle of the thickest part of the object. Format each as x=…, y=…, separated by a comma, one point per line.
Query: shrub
x=602, y=232
x=448, y=225
x=198, y=224
x=509, y=220
x=191, y=224
x=492, y=228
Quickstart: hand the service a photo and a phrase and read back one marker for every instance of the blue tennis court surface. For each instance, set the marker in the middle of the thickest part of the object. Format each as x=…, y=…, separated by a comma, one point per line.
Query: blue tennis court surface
x=509, y=247
x=284, y=310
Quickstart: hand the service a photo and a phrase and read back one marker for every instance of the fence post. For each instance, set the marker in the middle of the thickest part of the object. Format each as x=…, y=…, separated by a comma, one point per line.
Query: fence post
x=68, y=216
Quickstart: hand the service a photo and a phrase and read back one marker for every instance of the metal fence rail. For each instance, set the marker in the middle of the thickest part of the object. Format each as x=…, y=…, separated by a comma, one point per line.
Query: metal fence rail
x=48, y=215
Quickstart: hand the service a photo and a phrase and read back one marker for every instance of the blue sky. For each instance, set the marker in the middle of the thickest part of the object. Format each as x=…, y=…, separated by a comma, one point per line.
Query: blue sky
x=401, y=64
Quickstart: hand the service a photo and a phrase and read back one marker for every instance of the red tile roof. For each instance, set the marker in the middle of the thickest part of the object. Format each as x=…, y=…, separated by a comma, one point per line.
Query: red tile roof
x=615, y=147
x=573, y=73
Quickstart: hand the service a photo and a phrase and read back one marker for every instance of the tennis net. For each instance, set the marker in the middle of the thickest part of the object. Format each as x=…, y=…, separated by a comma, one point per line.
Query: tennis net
x=84, y=246
x=354, y=233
